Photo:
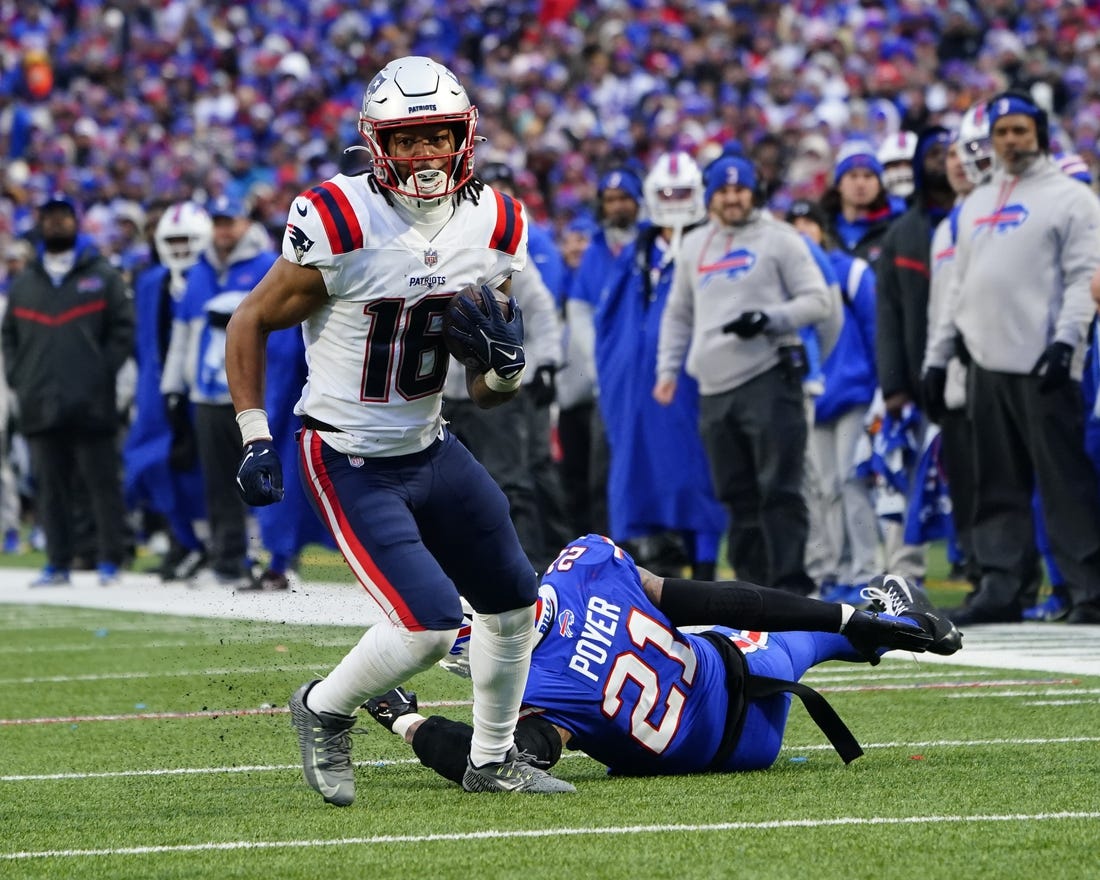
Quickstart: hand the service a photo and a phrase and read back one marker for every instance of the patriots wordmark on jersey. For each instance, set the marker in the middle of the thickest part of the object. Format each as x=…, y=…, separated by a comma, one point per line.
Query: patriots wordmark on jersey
x=376, y=351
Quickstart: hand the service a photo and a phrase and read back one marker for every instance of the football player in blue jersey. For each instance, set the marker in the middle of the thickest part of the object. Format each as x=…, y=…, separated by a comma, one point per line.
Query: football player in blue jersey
x=615, y=676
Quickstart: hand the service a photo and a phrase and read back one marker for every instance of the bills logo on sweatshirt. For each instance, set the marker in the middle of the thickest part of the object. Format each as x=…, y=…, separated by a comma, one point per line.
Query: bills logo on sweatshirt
x=733, y=266
x=1002, y=220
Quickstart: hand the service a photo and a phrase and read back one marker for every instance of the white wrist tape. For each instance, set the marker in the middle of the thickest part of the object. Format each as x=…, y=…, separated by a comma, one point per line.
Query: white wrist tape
x=494, y=382
x=253, y=425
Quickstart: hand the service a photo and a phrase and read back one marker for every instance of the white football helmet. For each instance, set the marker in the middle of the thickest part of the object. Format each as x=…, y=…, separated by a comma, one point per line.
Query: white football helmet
x=895, y=154
x=975, y=144
x=183, y=232
x=411, y=91
x=673, y=191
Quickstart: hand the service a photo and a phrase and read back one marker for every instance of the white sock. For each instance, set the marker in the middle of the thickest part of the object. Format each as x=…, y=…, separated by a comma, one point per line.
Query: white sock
x=384, y=658
x=401, y=725
x=500, y=657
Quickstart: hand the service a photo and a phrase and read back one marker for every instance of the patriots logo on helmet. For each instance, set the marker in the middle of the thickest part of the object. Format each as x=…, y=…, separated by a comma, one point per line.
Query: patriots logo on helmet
x=299, y=241
x=734, y=265
x=1002, y=220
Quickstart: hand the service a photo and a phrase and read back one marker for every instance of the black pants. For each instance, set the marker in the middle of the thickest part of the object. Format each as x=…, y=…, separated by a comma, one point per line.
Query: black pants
x=62, y=458
x=1024, y=438
x=584, y=468
x=549, y=494
x=957, y=454
x=220, y=448
x=512, y=442
x=755, y=437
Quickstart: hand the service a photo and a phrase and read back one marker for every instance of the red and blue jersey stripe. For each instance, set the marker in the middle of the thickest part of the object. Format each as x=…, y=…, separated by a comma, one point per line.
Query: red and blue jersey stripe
x=337, y=216
x=509, y=228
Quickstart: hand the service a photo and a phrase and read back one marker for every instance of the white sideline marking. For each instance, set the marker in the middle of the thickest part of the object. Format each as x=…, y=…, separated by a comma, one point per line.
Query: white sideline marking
x=1059, y=702
x=140, y=646
x=813, y=677
x=196, y=713
x=394, y=762
x=174, y=673
x=87, y=646
x=947, y=685
x=1038, y=647
x=1049, y=692
x=276, y=710
x=544, y=832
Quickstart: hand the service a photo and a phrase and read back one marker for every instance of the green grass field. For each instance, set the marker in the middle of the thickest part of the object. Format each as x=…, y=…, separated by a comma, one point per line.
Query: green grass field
x=153, y=746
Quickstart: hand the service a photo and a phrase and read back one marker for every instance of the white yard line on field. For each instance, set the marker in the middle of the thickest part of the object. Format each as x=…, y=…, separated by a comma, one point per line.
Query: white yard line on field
x=158, y=673
x=1051, y=692
x=269, y=710
x=498, y=834
x=269, y=768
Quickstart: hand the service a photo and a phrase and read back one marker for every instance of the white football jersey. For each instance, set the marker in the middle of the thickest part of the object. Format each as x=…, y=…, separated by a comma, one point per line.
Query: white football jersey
x=376, y=357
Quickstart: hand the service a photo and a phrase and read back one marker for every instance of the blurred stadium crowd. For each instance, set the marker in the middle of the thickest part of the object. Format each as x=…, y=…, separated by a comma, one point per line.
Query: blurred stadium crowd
x=116, y=103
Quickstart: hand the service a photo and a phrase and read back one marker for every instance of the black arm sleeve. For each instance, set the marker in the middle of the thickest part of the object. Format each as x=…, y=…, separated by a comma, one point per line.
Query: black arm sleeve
x=745, y=606
x=443, y=745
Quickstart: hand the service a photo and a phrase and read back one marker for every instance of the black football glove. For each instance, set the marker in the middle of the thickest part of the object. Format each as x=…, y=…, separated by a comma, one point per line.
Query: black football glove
x=868, y=632
x=183, y=450
x=542, y=388
x=1053, y=366
x=747, y=324
x=260, y=476
x=933, y=385
x=489, y=342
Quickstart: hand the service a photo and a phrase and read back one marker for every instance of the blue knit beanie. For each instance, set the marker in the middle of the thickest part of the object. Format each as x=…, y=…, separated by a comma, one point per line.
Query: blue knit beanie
x=856, y=154
x=727, y=171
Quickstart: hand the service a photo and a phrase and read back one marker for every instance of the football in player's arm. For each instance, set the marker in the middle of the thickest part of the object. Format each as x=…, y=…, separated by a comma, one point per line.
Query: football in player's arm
x=370, y=266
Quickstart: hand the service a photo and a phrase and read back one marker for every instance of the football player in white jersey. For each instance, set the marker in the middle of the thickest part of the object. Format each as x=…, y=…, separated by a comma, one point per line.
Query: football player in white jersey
x=370, y=266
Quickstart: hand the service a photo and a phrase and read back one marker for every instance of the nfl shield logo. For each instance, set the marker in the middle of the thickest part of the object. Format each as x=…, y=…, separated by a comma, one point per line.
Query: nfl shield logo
x=356, y=461
x=431, y=257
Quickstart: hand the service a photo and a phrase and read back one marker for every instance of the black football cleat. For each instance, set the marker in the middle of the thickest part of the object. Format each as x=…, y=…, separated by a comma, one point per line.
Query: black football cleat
x=387, y=708
x=892, y=594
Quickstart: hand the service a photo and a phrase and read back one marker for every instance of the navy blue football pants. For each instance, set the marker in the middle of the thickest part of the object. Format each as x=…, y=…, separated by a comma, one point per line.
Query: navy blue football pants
x=420, y=529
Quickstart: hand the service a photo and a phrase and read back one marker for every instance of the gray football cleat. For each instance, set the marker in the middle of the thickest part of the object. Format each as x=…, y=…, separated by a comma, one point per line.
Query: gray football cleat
x=892, y=594
x=325, y=741
x=513, y=774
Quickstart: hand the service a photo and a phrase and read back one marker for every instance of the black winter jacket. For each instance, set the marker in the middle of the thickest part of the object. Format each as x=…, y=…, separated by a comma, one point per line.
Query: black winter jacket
x=901, y=321
x=64, y=345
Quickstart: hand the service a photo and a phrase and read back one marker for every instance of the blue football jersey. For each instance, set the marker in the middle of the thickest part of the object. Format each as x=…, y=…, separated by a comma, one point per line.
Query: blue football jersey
x=636, y=693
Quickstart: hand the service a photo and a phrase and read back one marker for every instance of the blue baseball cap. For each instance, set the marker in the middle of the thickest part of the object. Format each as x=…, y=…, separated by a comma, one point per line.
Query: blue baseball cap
x=58, y=200
x=624, y=179
x=1007, y=104
x=226, y=206
x=727, y=171
x=856, y=154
